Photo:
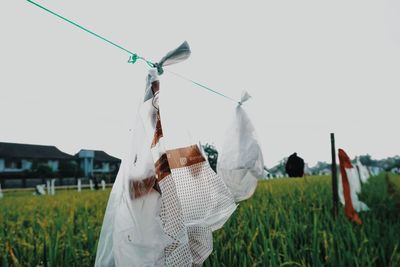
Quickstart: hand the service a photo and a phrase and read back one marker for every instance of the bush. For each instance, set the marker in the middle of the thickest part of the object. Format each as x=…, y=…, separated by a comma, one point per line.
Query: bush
x=44, y=171
x=69, y=169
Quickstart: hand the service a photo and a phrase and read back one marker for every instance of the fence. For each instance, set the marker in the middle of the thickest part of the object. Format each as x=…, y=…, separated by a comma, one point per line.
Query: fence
x=26, y=182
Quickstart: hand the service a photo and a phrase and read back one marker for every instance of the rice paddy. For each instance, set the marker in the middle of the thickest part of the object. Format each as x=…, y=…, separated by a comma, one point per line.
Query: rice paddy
x=287, y=222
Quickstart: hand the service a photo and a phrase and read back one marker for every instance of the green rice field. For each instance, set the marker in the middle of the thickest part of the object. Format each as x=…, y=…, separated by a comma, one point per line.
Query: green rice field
x=288, y=222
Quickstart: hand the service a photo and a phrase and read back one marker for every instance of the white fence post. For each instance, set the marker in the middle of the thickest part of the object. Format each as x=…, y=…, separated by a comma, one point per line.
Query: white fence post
x=48, y=186
x=53, y=186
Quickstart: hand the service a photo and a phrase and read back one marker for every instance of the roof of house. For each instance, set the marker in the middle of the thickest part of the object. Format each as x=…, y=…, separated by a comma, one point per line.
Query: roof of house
x=100, y=155
x=28, y=151
x=103, y=156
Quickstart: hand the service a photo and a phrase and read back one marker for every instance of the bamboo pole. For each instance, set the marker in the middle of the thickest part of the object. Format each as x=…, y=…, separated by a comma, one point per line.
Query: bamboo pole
x=335, y=195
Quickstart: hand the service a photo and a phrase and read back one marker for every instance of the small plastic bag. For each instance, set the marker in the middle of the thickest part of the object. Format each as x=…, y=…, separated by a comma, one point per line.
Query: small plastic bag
x=240, y=161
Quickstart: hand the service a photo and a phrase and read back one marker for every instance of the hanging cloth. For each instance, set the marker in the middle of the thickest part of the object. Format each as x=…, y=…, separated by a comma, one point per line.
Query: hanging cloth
x=349, y=187
x=362, y=171
x=166, y=200
x=240, y=162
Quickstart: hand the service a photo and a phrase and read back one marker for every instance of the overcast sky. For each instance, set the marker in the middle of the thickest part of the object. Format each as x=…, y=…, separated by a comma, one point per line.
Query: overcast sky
x=312, y=67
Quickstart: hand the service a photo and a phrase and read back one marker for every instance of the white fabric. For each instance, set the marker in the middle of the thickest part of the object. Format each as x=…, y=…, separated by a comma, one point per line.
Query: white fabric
x=40, y=188
x=177, y=55
x=240, y=161
x=355, y=189
x=363, y=171
x=142, y=227
x=1, y=192
x=206, y=202
x=132, y=234
x=340, y=189
x=151, y=77
x=245, y=96
x=171, y=229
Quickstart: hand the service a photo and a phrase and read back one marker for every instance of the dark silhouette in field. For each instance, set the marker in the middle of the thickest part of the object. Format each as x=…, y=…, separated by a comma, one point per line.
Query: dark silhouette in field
x=295, y=166
x=96, y=184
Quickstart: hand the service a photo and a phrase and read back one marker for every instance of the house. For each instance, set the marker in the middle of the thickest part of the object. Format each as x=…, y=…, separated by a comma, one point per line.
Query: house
x=17, y=158
x=94, y=162
x=325, y=171
x=26, y=165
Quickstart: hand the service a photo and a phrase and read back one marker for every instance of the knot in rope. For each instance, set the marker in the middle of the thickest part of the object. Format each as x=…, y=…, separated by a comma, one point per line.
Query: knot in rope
x=133, y=58
x=159, y=68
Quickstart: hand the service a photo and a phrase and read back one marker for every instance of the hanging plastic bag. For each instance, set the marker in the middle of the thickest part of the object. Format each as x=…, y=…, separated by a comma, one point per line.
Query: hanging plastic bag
x=132, y=233
x=166, y=200
x=363, y=172
x=240, y=162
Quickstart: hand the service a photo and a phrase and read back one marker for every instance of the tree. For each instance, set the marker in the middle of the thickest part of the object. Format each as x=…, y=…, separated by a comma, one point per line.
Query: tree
x=69, y=169
x=212, y=155
x=44, y=171
x=366, y=160
x=320, y=166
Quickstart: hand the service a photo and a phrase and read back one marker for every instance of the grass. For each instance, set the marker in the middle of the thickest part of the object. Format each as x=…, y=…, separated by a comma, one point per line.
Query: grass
x=287, y=222
x=60, y=230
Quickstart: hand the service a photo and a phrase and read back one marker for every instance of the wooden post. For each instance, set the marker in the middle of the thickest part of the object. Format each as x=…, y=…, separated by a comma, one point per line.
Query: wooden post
x=335, y=194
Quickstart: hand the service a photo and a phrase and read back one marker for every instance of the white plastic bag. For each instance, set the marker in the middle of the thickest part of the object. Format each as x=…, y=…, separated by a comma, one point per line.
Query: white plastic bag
x=240, y=161
x=362, y=171
x=166, y=199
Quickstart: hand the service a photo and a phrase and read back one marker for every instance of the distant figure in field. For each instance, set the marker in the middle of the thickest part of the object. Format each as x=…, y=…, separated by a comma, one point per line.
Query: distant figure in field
x=96, y=184
x=295, y=166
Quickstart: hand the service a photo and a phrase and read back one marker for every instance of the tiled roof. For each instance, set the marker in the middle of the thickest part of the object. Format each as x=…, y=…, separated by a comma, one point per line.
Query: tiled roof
x=27, y=151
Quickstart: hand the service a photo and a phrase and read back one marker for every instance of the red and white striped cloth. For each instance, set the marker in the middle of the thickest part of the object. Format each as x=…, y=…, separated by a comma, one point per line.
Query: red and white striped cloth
x=349, y=187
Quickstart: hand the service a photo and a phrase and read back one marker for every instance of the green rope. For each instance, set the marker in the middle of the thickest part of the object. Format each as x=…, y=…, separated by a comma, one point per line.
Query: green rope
x=202, y=86
x=133, y=56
